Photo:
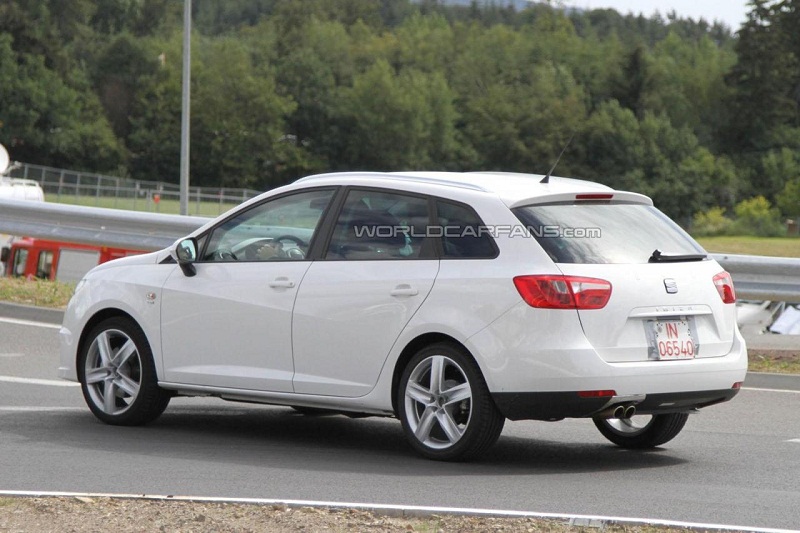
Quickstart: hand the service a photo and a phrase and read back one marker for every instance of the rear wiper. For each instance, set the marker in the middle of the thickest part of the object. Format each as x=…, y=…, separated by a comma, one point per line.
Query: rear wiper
x=660, y=257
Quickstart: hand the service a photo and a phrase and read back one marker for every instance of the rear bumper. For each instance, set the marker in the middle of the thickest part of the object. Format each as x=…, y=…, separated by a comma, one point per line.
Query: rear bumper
x=558, y=405
x=526, y=351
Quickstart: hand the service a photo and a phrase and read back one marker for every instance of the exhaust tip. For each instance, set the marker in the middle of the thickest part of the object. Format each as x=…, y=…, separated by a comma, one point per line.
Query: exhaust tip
x=619, y=412
x=630, y=411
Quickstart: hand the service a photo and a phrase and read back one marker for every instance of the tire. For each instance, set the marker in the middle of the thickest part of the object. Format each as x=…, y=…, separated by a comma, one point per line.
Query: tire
x=642, y=431
x=118, y=376
x=450, y=418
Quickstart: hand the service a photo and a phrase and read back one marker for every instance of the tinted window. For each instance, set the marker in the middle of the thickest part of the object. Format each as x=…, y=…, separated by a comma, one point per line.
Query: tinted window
x=463, y=233
x=609, y=233
x=279, y=229
x=380, y=225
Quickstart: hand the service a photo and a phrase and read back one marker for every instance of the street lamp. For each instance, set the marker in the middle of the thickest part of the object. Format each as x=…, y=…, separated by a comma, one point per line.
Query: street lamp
x=187, y=75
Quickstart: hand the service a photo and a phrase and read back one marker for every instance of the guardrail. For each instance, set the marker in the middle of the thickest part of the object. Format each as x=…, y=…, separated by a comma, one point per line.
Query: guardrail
x=94, y=225
x=755, y=277
x=763, y=278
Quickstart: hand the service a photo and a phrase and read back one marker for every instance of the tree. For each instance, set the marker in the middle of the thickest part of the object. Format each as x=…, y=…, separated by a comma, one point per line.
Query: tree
x=395, y=122
x=119, y=70
x=238, y=128
x=43, y=120
x=764, y=79
x=654, y=157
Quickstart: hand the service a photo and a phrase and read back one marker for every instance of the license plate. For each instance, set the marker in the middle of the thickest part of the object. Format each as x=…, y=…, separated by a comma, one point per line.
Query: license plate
x=672, y=340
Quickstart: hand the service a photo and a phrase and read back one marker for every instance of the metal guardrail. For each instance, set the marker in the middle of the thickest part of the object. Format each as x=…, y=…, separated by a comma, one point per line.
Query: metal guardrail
x=763, y=278
x=94, y=225
x=755, y=277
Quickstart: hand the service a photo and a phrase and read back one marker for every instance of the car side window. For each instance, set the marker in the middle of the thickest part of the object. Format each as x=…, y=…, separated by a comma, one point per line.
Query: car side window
x=380, y=225
x=277, y=230
x=464, y=236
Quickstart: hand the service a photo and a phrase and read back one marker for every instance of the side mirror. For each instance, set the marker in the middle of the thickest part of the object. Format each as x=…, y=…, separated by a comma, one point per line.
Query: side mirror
x=185, y=253
x=5, y=253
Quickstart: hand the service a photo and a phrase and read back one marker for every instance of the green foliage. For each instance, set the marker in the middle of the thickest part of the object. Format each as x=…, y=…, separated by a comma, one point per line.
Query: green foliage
x=680, y=110
x=413, y=112
x=756, y=216
x=238, y=120
x=45, y=120
x=781, y=171
x=789, y=199
x=711, y=223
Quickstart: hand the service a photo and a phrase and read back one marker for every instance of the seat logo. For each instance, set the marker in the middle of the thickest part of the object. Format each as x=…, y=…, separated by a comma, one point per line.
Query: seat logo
x=670, y=285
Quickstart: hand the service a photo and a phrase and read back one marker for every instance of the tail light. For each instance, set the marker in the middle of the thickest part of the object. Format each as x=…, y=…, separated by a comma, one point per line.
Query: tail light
x=563, y=292
x=724, y=285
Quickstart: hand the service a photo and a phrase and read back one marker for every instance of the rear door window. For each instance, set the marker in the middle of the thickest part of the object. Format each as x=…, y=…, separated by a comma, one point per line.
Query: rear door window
x=380, y=225
x=605, y=233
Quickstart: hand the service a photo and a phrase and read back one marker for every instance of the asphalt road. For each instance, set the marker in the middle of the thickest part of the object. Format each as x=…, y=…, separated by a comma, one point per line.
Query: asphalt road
x=735, y=464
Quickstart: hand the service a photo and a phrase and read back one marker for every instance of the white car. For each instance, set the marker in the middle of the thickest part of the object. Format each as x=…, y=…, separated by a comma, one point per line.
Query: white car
x=453, y=301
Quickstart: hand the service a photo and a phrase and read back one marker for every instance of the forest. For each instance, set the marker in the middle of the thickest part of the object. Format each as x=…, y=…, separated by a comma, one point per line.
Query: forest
x=702, y=117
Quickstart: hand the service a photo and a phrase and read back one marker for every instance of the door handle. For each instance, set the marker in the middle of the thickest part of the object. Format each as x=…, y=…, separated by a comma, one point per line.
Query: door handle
x=281, y=283
x=404, y=290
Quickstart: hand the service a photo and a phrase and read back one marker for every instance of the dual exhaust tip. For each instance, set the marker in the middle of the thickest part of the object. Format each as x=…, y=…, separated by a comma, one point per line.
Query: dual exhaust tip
x=619, y=411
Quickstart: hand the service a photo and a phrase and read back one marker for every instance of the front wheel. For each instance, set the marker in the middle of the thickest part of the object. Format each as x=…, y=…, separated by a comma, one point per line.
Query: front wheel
x=642, y=431
x=444, y=405
x=118, y=376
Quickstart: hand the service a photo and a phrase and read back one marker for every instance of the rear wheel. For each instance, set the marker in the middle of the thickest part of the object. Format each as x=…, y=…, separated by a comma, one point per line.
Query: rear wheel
x=118, y=376
x=642, y=431
x=444, y=405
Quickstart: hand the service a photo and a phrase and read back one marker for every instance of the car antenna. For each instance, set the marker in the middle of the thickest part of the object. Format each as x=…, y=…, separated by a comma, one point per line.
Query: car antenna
x=546, y=179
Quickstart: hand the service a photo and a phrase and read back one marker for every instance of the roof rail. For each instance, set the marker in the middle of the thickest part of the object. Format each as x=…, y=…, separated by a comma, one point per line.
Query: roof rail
x=416, y=178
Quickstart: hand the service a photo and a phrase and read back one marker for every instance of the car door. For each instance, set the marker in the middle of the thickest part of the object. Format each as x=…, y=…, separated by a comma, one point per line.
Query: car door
x=230, y=324
x=378, y=268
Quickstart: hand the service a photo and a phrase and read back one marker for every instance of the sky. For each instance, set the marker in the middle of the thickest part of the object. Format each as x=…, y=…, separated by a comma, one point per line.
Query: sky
x=730, y=12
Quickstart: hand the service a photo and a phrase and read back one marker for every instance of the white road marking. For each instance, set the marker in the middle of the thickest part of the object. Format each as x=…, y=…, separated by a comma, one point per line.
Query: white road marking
x=36, y=409
x=772, y=390
x=405, y=510
x=36, y=381
x=19, y=322
x=794, y=440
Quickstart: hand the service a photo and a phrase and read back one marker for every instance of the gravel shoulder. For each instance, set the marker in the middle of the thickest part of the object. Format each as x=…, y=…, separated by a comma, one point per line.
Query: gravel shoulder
x=79, y=514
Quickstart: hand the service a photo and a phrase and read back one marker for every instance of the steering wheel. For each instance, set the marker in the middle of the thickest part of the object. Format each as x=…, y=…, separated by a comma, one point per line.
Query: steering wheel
x=297, y=240
x=223, y=254
x=295, y=252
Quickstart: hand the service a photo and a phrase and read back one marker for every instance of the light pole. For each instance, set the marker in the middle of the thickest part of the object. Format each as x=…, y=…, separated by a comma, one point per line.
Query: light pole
x=187, y=77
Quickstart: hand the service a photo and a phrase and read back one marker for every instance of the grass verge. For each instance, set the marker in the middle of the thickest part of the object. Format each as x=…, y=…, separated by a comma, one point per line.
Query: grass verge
x=774, y=361
x=41, y=293
x=172, y=207
x=748, y=245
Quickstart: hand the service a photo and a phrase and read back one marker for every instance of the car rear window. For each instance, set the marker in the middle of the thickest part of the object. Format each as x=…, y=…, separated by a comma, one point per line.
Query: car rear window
x=604, y=233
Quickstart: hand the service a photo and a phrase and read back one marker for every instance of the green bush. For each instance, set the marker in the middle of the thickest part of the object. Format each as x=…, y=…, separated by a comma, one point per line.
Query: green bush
x=711, y=223
x=789, y=199
x=756, y=216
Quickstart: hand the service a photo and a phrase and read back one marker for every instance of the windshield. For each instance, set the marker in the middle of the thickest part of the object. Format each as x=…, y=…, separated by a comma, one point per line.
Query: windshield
x=606, y=233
